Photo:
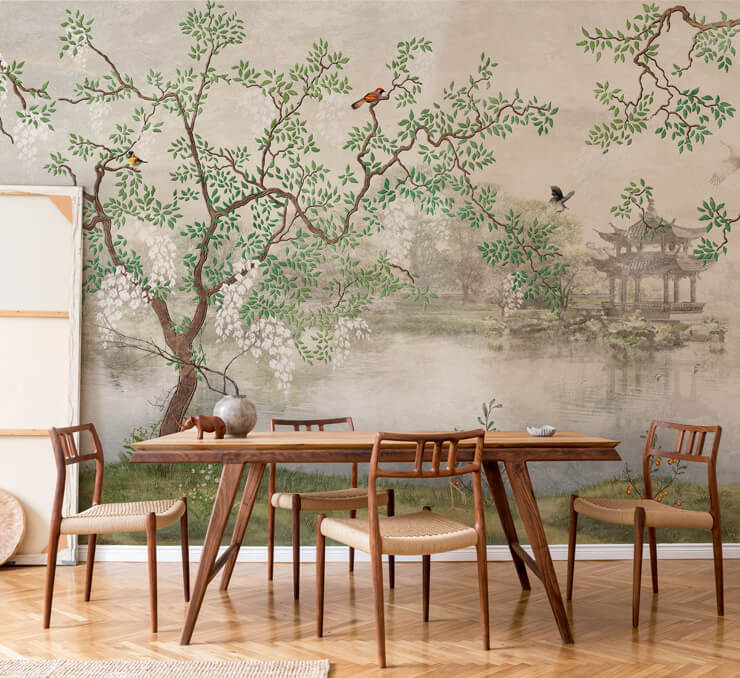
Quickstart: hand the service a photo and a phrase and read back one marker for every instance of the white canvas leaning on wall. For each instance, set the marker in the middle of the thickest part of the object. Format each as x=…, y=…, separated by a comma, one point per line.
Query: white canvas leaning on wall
x=40, y=298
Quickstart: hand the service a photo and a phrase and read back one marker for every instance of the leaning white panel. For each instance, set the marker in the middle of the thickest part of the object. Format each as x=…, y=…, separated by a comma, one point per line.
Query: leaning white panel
x=40, y=304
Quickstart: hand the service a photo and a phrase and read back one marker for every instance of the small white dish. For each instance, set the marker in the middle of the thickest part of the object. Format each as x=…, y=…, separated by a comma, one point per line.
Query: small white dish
x=543, y=431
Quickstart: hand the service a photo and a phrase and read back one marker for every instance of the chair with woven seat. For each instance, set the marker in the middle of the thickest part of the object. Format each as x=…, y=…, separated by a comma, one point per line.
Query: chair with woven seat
x=421, y=533
x=351, y=499
x=138, y=516
x=650, y=512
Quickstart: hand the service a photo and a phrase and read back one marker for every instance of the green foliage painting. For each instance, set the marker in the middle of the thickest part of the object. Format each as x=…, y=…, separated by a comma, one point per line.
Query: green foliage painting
x=261, y=237
x=682, y=114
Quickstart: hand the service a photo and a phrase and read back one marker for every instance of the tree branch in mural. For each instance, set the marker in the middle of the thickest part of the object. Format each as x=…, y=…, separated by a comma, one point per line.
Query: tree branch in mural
x=288, y=280
x=198, y=363
x=30, y=117
x=685, y=115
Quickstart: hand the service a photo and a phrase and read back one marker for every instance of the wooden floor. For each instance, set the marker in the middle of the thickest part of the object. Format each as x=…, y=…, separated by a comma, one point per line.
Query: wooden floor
x=680, y=634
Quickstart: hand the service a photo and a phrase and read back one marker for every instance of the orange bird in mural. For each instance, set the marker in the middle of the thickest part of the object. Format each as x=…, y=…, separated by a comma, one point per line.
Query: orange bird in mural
x=370, y=97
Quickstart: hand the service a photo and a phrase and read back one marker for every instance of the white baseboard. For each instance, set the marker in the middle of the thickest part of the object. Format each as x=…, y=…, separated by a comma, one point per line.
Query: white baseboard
x=496, y=552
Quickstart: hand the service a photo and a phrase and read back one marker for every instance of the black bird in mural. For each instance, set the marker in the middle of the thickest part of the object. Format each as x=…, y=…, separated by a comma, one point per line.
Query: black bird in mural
x=558, y=199
x=133, y=160
x=730, y=165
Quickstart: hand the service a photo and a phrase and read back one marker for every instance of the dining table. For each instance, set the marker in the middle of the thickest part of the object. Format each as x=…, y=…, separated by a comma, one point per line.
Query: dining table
x=514, y=450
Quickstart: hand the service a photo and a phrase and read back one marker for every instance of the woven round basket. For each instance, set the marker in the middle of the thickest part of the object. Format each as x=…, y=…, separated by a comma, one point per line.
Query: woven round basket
x=12, y=525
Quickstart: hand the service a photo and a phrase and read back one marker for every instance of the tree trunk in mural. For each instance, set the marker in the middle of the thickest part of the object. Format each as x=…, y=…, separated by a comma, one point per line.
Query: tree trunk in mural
x=182, y=354
x=180, y=401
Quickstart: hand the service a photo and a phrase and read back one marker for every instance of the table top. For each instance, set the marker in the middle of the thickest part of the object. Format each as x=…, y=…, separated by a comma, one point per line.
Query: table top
x=355, y=446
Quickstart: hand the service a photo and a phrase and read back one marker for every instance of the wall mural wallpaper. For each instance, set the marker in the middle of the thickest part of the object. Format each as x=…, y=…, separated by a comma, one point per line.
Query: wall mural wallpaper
x=419, y=214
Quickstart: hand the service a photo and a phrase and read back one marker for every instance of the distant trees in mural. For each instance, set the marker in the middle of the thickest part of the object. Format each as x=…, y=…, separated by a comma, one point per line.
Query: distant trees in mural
x=682, y=113
x=260, y=237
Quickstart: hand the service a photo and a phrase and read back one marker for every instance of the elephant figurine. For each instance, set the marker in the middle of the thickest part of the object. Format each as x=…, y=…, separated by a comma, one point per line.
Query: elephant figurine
x=204, y=422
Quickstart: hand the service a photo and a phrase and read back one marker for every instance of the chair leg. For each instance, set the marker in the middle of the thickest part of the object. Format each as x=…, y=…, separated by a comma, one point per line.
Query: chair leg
x=718, y=574
x=482, y=554
x=653, y=541
x=51, y=568
x=91, y=541
x=151, y=547
x=352, y=514
x=270, y=522
x=185, y=546
x=637, y=564
x=391, y=511
x=376, y=563
x=571, y=546
x=296, y=513
x=320, y=576
x=426, y=563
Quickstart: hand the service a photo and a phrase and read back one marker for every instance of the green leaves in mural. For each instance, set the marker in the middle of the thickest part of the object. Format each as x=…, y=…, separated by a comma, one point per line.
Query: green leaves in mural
x=715, y=218
x=685, y=116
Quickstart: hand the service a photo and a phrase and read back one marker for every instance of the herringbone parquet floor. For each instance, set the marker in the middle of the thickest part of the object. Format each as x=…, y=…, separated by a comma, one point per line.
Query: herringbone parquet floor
x=679, y=635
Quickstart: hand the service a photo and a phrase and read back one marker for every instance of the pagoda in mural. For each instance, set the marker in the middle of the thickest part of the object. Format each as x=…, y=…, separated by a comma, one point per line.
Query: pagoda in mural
x=641, y=253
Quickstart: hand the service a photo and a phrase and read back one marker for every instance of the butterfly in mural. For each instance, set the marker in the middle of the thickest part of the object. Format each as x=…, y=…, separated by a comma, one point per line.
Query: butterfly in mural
x=370, y=97
x=730, y=165
x=133, y=160
x=558, y=199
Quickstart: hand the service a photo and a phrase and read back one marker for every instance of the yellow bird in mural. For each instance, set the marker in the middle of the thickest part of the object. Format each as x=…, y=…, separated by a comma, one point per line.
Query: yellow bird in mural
x=370, y=97
x=133, y=160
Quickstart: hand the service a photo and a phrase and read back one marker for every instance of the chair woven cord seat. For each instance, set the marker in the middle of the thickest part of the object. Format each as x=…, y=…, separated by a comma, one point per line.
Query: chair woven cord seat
x=352, y=498
x=124, y=517
x=622, y=512
x=421, y=533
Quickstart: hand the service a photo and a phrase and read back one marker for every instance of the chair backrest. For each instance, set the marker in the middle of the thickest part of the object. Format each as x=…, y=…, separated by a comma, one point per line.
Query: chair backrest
x=66, y=453
x=690, y=446
x=310, y=424
x=435, y=456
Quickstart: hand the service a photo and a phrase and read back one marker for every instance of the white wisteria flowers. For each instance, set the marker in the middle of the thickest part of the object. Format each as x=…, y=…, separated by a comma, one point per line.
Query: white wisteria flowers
x=229, y=324
x=266, y=337
x=513, y=296
x=30, y=135
x=118, y=292
x=162, y=254
x=343, y=331
x=258, y=110
x=98, y=111
x=3, y=85
x=330, y=109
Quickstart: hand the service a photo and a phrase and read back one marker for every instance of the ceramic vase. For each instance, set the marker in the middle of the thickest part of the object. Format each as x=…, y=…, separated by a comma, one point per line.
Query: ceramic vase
x=238, y=413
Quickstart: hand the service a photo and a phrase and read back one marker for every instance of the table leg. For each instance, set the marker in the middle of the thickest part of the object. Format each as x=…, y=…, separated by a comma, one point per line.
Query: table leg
x=496, y=483
x=231, y=475
x=521, y=485
x=252, y=486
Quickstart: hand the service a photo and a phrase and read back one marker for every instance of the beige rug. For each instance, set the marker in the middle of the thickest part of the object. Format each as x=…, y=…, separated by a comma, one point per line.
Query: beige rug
x=64, y=668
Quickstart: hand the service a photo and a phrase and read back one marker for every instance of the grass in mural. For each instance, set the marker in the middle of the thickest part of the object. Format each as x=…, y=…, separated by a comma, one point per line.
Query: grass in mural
x=129, y=482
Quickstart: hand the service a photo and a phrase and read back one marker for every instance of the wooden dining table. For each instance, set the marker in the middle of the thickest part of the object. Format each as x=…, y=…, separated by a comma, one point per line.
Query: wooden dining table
x=514, y=449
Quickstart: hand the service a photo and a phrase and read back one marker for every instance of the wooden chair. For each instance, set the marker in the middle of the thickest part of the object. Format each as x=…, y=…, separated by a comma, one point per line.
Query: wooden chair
x=351, y=499
x=421, y=533
x=651, y=513
x=101, y=518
